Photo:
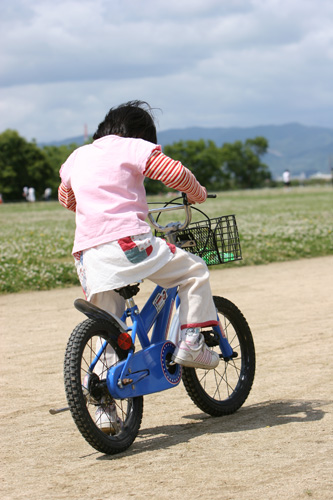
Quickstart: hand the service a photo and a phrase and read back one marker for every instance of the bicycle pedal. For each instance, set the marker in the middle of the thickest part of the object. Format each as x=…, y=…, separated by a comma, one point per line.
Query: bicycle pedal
x=211, y=338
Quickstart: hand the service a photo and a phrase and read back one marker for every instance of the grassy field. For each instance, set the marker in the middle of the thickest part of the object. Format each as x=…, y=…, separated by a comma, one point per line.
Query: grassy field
x=274, y=225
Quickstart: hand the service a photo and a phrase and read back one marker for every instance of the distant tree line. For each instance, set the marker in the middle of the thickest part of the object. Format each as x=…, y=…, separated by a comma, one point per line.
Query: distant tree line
x=231, y=166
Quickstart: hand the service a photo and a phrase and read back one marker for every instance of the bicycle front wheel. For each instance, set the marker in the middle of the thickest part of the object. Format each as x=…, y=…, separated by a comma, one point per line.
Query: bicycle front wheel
x=223, y=390
x=108, y=425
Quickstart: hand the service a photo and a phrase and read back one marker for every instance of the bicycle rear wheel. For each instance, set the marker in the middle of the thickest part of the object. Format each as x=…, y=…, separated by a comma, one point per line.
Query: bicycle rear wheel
x=108, y=425
x=223, y=390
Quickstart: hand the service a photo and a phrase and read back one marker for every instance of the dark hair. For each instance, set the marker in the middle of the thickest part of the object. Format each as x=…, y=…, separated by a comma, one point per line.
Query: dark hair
x=132, y=119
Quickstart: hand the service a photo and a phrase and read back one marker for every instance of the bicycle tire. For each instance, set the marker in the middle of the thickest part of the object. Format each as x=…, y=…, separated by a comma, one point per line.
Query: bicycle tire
x=223, y=390
x=84, y=399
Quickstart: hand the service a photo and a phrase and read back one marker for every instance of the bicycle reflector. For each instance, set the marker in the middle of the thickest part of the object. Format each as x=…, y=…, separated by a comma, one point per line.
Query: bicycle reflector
x=124, y=341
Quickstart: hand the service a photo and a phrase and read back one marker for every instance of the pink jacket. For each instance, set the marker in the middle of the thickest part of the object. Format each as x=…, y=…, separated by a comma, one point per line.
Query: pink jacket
x=107, y=180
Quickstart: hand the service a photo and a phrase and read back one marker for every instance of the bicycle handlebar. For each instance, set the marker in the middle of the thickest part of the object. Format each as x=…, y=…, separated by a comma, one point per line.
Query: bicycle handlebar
x=174, y=226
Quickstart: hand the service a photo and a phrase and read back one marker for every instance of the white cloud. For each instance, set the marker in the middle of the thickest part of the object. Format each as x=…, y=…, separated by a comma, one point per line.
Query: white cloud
x=204, y=62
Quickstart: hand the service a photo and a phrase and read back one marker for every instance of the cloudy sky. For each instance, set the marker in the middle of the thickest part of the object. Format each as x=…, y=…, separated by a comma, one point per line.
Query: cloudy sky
x=207, y=63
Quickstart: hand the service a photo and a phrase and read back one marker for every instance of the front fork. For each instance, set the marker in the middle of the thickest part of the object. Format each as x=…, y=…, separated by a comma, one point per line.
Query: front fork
x=226, y=349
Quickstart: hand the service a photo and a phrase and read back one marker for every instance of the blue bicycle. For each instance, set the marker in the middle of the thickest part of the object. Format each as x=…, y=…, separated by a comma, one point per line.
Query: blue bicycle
x=112, y=365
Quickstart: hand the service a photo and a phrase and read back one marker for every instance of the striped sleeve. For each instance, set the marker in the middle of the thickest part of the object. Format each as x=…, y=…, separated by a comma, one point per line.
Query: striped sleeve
x=66, y=197
x=174, y=175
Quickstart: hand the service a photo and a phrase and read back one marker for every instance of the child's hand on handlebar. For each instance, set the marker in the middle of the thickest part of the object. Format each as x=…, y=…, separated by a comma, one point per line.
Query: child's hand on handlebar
x=194, y=201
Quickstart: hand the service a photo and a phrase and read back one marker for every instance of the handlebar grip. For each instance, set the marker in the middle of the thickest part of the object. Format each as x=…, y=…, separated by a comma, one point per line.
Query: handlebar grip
x=184, y=195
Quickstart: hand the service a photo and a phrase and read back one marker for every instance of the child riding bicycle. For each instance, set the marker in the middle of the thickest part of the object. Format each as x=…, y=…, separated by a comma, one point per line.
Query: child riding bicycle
x=103, y=183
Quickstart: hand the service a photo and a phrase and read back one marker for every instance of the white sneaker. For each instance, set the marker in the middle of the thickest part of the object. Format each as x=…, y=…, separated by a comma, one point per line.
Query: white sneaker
x=193, y=352
x=107, y=420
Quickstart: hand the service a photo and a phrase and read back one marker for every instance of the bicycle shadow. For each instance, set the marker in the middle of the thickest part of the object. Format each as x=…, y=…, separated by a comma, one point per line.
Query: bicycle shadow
x=257, y=416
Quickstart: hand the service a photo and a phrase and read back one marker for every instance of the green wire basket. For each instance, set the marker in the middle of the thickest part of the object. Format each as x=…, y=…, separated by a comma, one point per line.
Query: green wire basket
x=215, y=240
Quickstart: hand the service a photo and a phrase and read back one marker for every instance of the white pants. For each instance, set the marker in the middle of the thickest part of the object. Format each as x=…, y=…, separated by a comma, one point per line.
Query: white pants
x=185, y=270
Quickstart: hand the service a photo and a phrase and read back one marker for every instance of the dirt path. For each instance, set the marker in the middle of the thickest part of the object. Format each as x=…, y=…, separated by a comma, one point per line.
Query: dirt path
x=278, y=446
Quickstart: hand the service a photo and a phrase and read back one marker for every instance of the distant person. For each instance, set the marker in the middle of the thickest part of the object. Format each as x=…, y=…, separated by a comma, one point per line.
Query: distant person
x=25, y=193
x=47, y=194
x=286, y=178
x=31, y=197
x=1, y=200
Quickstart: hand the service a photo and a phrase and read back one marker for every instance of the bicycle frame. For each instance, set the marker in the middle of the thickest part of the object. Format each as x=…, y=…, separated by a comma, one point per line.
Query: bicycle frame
x=148, y=370
x=151, y=369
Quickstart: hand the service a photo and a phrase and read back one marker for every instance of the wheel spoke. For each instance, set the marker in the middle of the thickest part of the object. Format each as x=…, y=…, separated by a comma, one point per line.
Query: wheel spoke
x=218, y=383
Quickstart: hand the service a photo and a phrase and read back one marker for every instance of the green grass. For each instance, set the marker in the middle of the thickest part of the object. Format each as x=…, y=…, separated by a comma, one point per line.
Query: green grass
x=278, y=225
x=274, y=225
x=36, y=241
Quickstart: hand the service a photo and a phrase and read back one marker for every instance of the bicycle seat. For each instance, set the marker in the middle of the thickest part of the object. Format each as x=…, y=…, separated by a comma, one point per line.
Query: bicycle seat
x=128, y=291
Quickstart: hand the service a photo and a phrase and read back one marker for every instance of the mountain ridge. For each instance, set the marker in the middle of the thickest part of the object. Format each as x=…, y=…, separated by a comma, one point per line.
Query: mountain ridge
x=300, y=148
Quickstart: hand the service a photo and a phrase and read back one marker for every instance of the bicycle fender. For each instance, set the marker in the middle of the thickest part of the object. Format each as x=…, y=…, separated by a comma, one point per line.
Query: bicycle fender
x=94, y=312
